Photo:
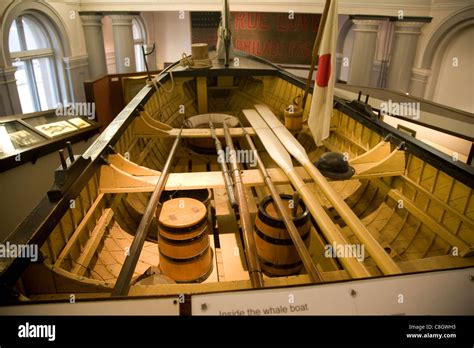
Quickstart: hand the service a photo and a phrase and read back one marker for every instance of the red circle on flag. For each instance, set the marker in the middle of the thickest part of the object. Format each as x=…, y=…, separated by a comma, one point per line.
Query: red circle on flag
x=324, y=70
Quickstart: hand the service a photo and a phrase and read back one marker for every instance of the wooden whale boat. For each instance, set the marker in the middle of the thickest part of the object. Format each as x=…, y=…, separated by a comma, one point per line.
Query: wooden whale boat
x=412, y=204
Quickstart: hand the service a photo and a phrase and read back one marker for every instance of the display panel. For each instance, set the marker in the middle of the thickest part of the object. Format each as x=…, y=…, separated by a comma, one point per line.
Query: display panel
x=14, y=135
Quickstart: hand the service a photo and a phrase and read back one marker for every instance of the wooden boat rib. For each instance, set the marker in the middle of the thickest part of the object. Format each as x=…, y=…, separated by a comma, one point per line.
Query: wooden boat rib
x=414, y=201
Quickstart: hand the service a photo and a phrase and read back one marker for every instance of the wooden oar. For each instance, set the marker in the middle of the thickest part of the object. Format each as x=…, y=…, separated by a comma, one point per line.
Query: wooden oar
x=225, y=170
x=286, y=217
x=279, y=154
x=378, y=254
x=255, y=272
x=153, y=208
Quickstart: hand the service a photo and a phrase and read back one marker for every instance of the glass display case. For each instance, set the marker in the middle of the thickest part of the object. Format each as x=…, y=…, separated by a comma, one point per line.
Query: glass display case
x=39, y=133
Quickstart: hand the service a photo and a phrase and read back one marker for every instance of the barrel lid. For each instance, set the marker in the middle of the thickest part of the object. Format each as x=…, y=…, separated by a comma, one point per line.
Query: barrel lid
x=271, y=210
x=182, y=212
x=267, y=212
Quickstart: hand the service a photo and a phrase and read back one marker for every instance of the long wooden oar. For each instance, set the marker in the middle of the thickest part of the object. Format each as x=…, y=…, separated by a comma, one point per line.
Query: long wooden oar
x=255, y=272
x=379, y=255
x=122, y=285
x=225, y=170
x=279, y=154
x=287, y=219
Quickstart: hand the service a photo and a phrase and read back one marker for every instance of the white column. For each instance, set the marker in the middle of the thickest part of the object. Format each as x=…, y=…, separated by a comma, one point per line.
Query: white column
x=77, y=72
x=403, y=55
x=9, y=98
x=123, y=42
x=418, y=81
x=92, y=25
x=363, y=51
x=339, y=58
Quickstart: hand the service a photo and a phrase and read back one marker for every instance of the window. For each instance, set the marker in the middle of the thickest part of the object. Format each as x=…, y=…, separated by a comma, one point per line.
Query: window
x=138, y=41
x=33, y=56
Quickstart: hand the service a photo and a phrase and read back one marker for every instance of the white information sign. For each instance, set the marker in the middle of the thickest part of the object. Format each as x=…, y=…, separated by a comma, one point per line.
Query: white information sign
x=433, y=293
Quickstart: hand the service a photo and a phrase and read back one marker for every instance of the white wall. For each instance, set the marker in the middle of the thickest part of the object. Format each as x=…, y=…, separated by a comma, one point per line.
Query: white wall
x=455, y=84
x=444, y=142
x=171, y=35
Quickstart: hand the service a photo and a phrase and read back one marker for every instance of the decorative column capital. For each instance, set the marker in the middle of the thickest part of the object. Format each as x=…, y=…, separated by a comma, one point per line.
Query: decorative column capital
x=420, y=74
x=121, y=19
x=91, y=19
x=7, y=75
x=366, y=25
x=410, y=28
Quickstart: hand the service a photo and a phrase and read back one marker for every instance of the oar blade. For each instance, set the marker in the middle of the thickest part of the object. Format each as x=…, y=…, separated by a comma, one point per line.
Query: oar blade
x=282, y=133
x=271, y=143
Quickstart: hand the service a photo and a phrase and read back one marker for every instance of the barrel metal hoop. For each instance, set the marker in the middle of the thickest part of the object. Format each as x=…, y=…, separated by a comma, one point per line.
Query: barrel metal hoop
x=199, y=279
x=188, y=259
x=178, y=230
x=200, y=236
x=278, y=241
x=284, y=266
x=299, y=220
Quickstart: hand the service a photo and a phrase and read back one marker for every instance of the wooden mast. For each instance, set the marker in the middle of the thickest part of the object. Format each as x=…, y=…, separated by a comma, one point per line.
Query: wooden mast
x=287, y=219
x=279, y=154
x=245, y=220
x=153, y=208
x=380, y=256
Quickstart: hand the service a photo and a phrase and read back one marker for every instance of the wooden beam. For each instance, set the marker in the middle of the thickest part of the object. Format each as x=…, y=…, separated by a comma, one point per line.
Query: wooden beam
x=130, y=167
x=206, y=133
x=143, y=128
x=82, y=225
x=82, y=263
x=115, y=180
x=202, y=94
x=446, y=235
x=446, y=206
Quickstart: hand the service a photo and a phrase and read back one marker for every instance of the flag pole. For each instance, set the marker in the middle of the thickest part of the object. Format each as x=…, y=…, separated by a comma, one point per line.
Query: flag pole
x=315, y=56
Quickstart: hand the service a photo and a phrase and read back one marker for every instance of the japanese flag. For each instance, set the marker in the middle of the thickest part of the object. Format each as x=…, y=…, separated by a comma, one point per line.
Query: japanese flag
x=321, y=105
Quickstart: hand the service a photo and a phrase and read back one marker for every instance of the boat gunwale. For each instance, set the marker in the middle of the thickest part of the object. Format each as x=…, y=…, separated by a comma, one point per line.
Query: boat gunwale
x=190, y=295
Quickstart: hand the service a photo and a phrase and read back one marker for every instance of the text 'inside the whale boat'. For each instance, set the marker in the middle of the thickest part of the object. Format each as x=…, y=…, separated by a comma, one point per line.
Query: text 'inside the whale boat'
x=241, y=156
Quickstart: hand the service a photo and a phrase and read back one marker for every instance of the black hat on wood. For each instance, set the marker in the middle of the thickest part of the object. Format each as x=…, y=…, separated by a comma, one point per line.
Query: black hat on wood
x=333, y=165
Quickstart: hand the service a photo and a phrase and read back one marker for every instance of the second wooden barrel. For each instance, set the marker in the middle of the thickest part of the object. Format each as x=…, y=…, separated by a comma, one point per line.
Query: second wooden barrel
x=275, y=248
x=183, y=241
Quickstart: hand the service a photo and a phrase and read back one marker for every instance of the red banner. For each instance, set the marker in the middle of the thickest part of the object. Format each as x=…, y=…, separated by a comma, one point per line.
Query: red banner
x=279, y=37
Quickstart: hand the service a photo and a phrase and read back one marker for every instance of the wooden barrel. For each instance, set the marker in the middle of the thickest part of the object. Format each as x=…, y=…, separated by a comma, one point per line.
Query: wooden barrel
x=293, y=118
x=183, y=241
x=206, y=145
x=202, y=195
x=276, y=251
